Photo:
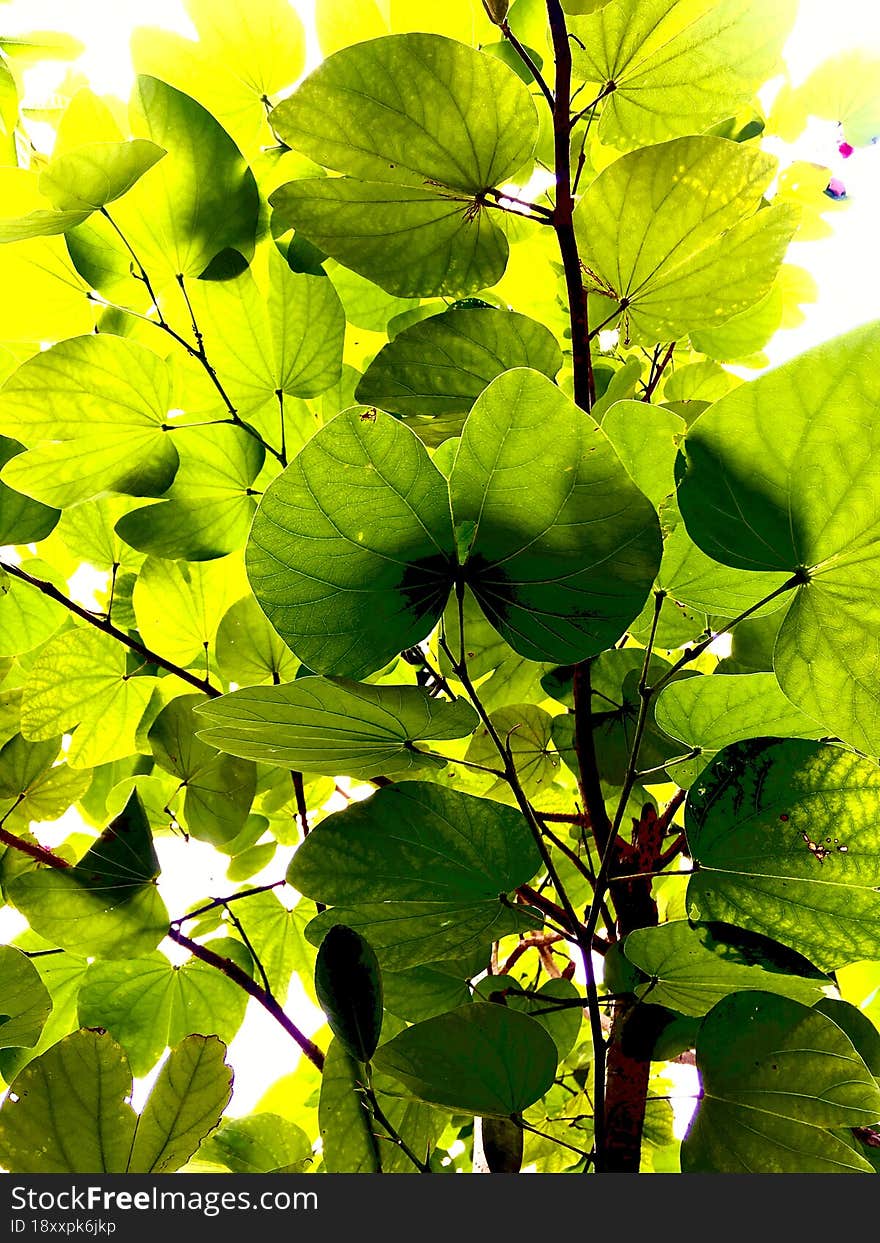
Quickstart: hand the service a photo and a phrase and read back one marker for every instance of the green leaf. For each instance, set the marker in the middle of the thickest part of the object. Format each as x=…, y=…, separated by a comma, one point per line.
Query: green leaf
x=147, y=1004
x=411, y=108
x=94, y=411
x=207, y=511
x=615, y=685
x=25, y=1002
x=694, y=249
x=481, y=1059
x=412, y=241
x=368, y=569
x=179, y=605
x=91, y=176
x=418, y=870
x=186, y=1103
x=242, y=56
x=331, y=725
x=107, y=905
x=692, y=966
x=68, y=1112
x=28, y=617
x=249, y=650
x=347, y=1129
x=678, y=67
x=38, y=45
x=565, y=547
x=776, y=1077
x=436, y=369
x=278, y=938
x=264, y=1143
x=527, y=731
x=416, y=842
x=784, y=835
x=80, y=679
x=62, y=975
x=219, y=788
x=348, y=985
x=270, y=332
x=801, y=508
x=710, y=712
x=423, y=992
x=22, y=520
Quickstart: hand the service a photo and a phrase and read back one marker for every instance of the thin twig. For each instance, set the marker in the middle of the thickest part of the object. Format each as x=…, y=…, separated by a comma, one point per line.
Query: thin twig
x=106, y=627
x=529, y=63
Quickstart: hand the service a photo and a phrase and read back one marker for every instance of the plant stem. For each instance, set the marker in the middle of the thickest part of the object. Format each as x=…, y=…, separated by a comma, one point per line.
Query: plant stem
x=393, y=1134
x=563, y=215
x=583, y=938
x=529, y=63
x=233, y=897
x=235, y=973
x=106, y=627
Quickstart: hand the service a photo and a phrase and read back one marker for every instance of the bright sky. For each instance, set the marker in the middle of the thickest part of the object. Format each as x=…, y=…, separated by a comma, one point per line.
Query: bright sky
x=846, y=268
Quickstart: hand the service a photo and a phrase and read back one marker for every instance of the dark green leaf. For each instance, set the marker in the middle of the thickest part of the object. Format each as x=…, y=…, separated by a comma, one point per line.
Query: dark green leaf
x=349, y=989
x=481, y=1059
x=776, y=1078
x=785, y=838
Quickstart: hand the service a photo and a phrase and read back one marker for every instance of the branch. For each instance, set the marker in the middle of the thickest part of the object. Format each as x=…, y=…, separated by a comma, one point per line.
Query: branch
x=235, y=973
x=584, y=384
x=798, y=579
x=657, y=373
x=106, y=627
x=302, y=809
x=528, y=62
x=40, y=853
x=233, y=897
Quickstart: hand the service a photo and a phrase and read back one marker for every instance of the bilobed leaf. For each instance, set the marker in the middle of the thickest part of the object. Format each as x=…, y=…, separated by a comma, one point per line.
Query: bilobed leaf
x=411, y=108
x=91, y=176
x=107, y=905
x=219, y=788
x=348, y=985
x=784, y=835
x=437, y=368
x=677, y=67
x=147, y=1004
x=711, y=712
x=782, y=476
x=843, y=88
x=422, y=126
x=414, y=242
x=777, y=1077
x=179, y=605
x=481, y=1059
x=22, y=520
x=186, y=1103
x=263, y=1143
x=562, y=548
x=25, y=1002
x=693, y=249
x=690, y=967
x=207, y=511
x=68, y=1113
x=526, y=731
x=332, y=726
x=350, y=552
x=268, y=332
x=94, y=412
x=243, y=55
x=80, y=679
x=278, y=938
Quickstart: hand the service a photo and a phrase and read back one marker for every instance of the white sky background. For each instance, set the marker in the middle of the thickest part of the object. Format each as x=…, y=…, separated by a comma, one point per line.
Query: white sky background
x=846, y=267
